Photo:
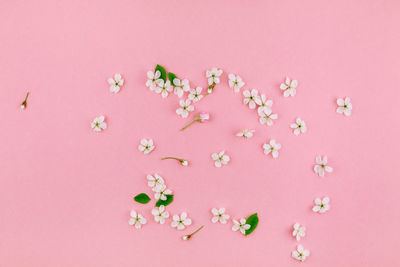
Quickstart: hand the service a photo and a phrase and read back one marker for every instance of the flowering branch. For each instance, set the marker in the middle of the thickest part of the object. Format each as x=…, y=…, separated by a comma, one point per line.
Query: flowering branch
x=182, y=161
x=187, y=237
x=23, y=104
x=201, y=117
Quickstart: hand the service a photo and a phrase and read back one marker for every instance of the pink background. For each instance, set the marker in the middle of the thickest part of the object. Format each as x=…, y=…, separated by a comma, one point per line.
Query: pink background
x=66, y=191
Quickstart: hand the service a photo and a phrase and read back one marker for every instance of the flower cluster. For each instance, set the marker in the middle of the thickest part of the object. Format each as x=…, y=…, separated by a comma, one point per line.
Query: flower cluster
x=163, y=195
x=264, y=105
x=243, y=225
x=158, y=186
x=161, y=83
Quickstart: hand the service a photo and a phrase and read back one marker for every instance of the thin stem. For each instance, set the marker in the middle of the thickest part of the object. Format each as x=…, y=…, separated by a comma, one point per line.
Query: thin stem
x=178, y=159
x=26, y=97
x=193, y=121
x=201, y=227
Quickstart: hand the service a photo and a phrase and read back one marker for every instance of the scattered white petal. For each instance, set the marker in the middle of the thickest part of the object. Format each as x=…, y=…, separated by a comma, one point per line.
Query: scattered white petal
x=99, y=124
x=181, y=86
x=163, y=88
x=266, y=104
x=220, y=159
x=273, y=148
x=146, y=146
x=235, y=82
x=116, y=83
x=152, y=79
x=251, y=98
x=289, y=87
x=161, y=192
x=266, y=116
x=213, y=75
x=299, y=231
x=321, y=167
x=195, y=94
x=219, y=215
x=344, y=106
x=155, y=180
x=137, y=219
x=185, y=108
x=299, y=126
x=246, y=133
x=300, y=253
x=321, y=206
x=240, y=225
x=160, y=214
x=180, y=222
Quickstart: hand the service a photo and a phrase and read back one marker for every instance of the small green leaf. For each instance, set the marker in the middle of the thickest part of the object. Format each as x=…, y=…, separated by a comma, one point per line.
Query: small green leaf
x=142, y=198
x=253, y=221
x=160, y=202
x=163, y=72
x=171, y=77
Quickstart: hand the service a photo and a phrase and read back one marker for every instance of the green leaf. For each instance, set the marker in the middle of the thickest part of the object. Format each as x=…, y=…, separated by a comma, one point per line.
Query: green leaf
x=163, y=72
x=160, y=202
x=142, y=198
x=253, y=221
x=171, y=78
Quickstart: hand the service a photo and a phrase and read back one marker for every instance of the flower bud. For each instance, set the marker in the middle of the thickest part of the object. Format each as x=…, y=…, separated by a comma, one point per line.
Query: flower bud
x=204, y=116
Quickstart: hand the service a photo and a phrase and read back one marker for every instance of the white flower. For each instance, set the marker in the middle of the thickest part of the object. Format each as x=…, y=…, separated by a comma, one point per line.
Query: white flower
x=155, y=180
x=195, y=94
x=219, y=215
x=321, y=205
x=265, y=103
x=213, y=75
x=181, y=222
x=235, y=82
x=289, y=87
x=163, y=87
x=273, y=147
x=299, y=126
x=116, y=83
x=246, y=133
x=344, y=106
x=181, y=86
x=160, y=214
x=266, y=116
x=300, y=254
x=185, y=108
x=161, y=192
x=146, y=146
x=98, y=124
x=299, y=231
x=241, y=225
x=252, y=98
x=152, y=79
x=137, y=219
x=321, y=166
x=220, y=158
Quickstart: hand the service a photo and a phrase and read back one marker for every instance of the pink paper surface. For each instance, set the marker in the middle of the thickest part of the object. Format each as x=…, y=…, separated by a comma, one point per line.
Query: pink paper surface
x=66, y=191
